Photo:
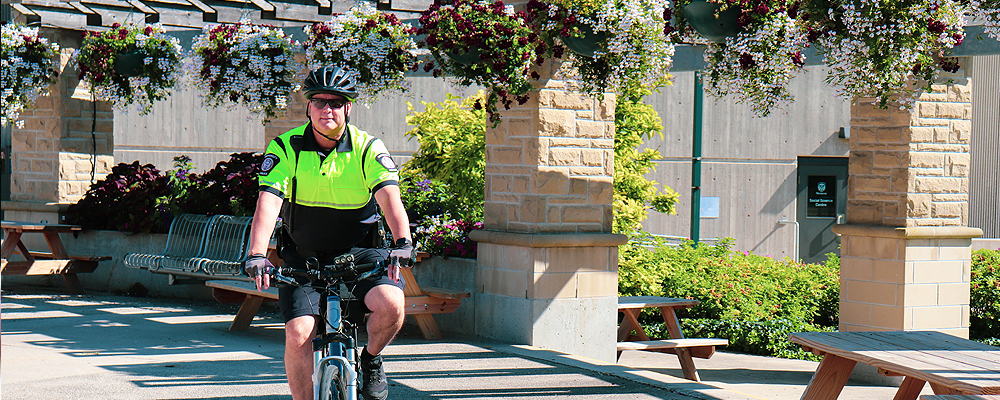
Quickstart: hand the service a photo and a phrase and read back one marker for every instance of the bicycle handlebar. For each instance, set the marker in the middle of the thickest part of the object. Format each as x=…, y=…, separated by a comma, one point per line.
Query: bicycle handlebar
x=343, y=266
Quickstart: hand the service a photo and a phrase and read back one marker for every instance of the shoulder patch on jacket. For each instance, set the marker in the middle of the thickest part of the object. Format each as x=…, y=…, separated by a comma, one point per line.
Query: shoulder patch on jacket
x=268, y=163
x=386, y=161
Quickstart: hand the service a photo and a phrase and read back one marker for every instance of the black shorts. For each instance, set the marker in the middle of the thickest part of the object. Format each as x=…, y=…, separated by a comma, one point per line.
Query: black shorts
x=294, y=301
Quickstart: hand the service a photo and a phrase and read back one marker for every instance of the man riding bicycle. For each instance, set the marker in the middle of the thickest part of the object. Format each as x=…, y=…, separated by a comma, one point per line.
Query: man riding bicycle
x=328, y=180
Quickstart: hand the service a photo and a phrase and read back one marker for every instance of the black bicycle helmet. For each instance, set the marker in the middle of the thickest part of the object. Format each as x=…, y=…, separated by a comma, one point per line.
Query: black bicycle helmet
x=332, y=80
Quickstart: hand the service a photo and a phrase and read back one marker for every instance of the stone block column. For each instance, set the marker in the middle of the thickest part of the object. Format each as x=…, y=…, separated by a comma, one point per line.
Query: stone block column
x=65, y=138
x=547, y=270
x=906, y=250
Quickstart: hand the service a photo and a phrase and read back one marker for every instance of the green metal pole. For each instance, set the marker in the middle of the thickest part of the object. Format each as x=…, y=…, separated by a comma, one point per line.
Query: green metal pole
x=699, y=94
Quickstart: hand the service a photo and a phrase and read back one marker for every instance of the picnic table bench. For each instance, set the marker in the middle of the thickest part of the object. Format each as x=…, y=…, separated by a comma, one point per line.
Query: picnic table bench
x=684, y=348
x=421, y=302
x=56, y=261
x=951, y=365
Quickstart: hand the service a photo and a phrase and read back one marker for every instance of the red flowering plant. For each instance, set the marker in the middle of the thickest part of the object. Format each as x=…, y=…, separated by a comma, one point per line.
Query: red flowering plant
x=878, y=49
x=246, y=64
x=377, y=46
x=129, y=64
x=756, y=60
x=486, y=44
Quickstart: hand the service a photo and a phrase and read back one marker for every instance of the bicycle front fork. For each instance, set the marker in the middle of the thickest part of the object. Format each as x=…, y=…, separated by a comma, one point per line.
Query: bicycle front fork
x=334, y=350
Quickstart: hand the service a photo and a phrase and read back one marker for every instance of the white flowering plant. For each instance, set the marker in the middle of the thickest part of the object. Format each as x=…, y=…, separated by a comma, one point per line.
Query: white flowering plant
x=102, y=61
x=756, y=63
x=496, y=40
x=26, y=69
x=633, y=52
x=875, y=48
x=989, y=12
x=246, y=64
x=375, y=46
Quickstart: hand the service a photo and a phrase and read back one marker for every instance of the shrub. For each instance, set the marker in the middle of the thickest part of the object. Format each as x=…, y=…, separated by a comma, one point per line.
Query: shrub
x=139, y=199
x=766, y=338
x=128, y=200
x=732, y=284
x=452, y=139
x=426, y=198
x=984, y=319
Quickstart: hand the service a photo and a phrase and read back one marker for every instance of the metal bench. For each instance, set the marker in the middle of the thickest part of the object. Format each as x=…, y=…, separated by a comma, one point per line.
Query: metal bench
x=199, y=246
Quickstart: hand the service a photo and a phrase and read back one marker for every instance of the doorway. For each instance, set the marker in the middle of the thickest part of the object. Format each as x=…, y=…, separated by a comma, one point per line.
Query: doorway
x=822, y=202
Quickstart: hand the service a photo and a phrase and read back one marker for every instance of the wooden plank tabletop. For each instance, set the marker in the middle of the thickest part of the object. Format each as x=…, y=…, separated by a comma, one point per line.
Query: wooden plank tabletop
x=38, y=226
x=935, y=357
x=628, y=302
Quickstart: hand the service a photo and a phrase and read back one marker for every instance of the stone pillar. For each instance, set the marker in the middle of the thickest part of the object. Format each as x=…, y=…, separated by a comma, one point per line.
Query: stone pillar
x=65, y=138
x=547, y=270
x=905, y=252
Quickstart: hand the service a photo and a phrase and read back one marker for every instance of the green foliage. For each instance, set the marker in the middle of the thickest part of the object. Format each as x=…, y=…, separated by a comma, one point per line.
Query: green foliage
x=732, y=284
x=984, y=321
x=766, y=338
x=633, y=193
x=426, y=198
x=452, y=139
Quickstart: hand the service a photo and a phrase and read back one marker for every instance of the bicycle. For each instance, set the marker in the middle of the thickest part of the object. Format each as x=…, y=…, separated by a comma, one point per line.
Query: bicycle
x=336, y=367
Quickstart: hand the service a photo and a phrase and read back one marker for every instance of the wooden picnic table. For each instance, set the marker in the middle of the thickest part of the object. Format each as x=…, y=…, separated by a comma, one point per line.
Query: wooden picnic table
x=55, y=262
x=950, y=364
x=684, y=348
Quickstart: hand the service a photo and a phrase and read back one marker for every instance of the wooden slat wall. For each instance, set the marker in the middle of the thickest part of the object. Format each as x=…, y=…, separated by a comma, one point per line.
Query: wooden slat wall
x=984, y=179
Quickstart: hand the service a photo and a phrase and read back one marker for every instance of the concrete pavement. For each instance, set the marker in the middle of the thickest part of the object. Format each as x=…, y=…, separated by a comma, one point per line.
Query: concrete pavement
x=103, y=346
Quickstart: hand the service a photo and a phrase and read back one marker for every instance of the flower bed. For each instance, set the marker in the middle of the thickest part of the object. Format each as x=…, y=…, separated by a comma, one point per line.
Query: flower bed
x=26, y=69
x=376, y=46
x=246, y=64
x=129, y=65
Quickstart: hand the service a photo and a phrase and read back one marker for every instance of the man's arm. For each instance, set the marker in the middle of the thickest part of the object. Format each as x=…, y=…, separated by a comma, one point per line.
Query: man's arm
x=264, y=216
x=395, y=216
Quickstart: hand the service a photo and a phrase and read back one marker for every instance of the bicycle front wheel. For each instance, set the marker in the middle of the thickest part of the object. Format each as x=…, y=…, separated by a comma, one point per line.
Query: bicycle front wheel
x=329, y=386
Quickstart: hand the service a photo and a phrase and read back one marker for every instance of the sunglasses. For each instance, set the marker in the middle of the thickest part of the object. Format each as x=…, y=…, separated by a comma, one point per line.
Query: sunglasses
x=334, y=104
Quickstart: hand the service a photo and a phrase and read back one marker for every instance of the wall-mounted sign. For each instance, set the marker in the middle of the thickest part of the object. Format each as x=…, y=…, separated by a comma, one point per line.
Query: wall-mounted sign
x=822, y=196
x=709, y=207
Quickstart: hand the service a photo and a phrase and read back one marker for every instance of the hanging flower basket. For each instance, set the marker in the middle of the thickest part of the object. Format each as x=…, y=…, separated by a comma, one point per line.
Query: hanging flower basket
x=587, y=44
x=26, y=68
x=473, y=56
x=752, y=53
x=506, y=46
x=130, y=64
x=876, y=49
x=247, y=65
x=617, y=45
x=711, y=22
x=376, y=45
x=141, y=83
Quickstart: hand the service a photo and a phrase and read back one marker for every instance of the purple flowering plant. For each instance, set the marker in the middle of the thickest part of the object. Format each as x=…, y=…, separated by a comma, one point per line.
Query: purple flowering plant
x=160, y=70
x=501, y=37
x=443, y=236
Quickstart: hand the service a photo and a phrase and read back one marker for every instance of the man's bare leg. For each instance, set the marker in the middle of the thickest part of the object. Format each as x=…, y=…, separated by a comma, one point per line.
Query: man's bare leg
x=386, y=303
x=299, y=333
